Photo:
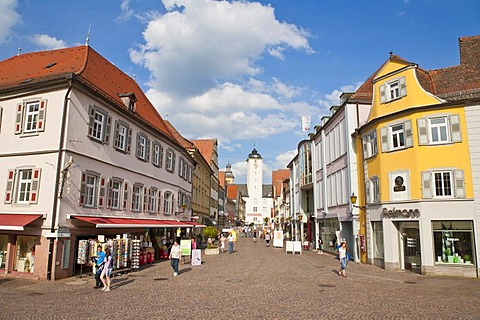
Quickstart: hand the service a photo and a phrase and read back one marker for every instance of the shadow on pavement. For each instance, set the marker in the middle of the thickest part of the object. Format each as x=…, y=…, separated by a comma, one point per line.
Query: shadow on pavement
x=121, y=282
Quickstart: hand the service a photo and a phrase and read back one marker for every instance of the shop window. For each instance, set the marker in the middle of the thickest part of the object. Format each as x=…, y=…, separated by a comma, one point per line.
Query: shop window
x=3, y=250
x=443, y=184
x=25, y=254
x=157, y=154
x=392, y=90
x=123, y=137
x=143, y=147
x=31, y=117
x=439, y=130
x=454, y=242
x=137, y=197
x=92, y=190
x=370, y=145
x=23, y=186
x=66, y=254
x=379, y=251
x=99, y=125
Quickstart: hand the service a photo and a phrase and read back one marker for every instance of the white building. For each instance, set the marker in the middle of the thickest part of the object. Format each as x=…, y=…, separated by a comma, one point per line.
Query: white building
x=84, y=153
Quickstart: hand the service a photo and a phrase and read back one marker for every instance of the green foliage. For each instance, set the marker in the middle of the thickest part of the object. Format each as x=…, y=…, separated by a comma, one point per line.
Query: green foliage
x=210, y=232
x=211, y=246
x=251, y=224
x=266, y=220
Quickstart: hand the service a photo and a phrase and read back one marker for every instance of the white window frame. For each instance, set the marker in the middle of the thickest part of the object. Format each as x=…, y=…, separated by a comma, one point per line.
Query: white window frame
x=122, y=136
x=167, y=202
x=91, y=190
x=444, y=184
x=393, y=90
x=137, y=192
x=31, y=116
x=438, y=128
x=370, y=148
x=372, y=189
x=397, y=131
x=98, y=129
x=451, y=127
x=170, y=160
x=115, y=194
x=152, y=200
x=142, y=144
x=156, y=154
x=24, y=186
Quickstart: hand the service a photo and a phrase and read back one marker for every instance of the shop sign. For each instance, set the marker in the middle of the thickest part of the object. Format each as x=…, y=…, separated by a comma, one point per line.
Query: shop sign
x=57, y=235
x=401, y=213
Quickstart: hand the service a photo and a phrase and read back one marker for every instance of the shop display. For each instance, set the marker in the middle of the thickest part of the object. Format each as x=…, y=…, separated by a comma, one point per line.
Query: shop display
x=136, y=250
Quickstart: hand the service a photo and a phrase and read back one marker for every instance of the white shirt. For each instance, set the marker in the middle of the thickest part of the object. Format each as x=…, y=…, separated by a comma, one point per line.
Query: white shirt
x=175, y=252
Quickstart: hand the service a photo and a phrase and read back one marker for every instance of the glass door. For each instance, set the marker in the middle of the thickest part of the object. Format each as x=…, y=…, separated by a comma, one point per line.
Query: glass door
x=412, y=257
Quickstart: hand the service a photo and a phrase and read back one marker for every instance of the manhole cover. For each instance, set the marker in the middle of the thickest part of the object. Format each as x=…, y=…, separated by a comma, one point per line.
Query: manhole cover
x=410, y=282
x=326, y=285
x=160, y=279
x=234, y=280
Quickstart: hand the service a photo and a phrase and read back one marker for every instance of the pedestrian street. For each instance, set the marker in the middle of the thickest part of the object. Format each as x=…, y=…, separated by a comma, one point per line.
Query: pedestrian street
x=254, y=282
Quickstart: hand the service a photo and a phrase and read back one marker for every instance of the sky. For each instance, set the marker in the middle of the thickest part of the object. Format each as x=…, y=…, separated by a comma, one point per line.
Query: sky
x=245, y=72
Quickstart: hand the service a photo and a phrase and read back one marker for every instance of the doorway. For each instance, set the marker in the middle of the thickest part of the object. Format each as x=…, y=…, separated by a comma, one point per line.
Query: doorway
x=410, y=247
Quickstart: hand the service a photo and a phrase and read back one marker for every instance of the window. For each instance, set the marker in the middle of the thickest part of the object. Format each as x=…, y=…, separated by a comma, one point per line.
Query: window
x=454, y=242
x=170, y=161
x=152, y=200
x=30, y=117
x=157, y=156
x=397, y=136
x=189, y=175
x=378, y=240
x=137, y=197
x=370, y=145
x=254, y=209
x=143, y=147
x=167, y=203
x=181, y=166
x=443, y=183
x=372, y=189
x=99, y=125
x=114, y=192
x=393, y=90
x=439, y=130
x=25, y=182
x=92, y=190
x=123, y=137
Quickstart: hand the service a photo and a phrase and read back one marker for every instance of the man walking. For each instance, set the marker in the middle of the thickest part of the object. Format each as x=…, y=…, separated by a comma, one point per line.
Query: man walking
x=231, y=239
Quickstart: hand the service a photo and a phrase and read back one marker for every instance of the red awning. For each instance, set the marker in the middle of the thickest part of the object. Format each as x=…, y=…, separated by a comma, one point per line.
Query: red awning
x=133, y=223
x=16, y=221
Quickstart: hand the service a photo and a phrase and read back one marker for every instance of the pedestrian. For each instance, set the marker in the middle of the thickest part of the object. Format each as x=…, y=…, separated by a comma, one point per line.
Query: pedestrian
x=107, y=270
x=175, y=254
x=222, y=242
x=254, y=236
x=320, y=246
x=267, y=238
x=231, y=239
x=342, y=255
x=99, y=260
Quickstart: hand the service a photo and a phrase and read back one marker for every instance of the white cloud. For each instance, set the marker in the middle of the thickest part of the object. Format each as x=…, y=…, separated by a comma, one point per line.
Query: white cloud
x=127, y=13
x=197, y=43
x=47, y=42
x=333, y=98
x=8, y=18
x=239, y=170
x=283, y=159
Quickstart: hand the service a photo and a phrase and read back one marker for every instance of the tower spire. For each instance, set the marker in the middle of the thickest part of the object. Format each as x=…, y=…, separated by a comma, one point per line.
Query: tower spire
x=87, y=40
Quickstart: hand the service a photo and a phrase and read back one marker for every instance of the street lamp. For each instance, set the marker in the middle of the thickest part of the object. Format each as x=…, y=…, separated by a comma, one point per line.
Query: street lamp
x=353, y=200
x=183, y=207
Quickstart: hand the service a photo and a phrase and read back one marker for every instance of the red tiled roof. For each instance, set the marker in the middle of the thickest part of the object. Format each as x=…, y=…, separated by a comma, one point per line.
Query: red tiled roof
x=232, y=191
x=221, y=178
x=89, y=67
x=278, y=176
x=187, y=144
x=206, y=147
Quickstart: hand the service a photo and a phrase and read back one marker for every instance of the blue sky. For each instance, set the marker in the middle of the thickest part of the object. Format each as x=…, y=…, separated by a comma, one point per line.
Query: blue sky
x=245, y=71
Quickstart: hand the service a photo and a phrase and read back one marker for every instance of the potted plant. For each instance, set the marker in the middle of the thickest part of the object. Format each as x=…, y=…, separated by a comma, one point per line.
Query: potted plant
x=210, y=233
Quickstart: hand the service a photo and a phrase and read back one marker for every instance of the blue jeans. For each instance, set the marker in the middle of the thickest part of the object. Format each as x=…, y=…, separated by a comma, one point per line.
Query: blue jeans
x=230, y=246
x=174, y=263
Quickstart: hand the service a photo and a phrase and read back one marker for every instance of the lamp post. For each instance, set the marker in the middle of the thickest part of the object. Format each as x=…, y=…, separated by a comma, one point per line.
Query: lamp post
x=353, y=200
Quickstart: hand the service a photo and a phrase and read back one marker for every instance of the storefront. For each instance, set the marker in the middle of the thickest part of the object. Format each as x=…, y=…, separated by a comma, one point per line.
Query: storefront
x=428, y=239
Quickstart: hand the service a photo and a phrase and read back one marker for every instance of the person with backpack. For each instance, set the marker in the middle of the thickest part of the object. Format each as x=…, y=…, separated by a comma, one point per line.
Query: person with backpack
x=107, y=270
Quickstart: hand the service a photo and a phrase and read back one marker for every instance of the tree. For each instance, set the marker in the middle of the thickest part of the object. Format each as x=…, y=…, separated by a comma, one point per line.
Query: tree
x=210, y=232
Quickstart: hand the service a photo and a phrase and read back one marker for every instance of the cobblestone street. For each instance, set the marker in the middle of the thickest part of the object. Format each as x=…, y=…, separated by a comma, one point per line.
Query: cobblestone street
x=255, y=282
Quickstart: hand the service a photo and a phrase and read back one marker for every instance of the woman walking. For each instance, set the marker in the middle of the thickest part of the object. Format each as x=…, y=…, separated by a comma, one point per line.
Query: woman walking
x=342, y=255
x=107, y=270
x=175, y=254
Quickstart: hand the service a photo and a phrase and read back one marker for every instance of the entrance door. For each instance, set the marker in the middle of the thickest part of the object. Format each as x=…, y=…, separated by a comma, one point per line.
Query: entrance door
x=412, y=258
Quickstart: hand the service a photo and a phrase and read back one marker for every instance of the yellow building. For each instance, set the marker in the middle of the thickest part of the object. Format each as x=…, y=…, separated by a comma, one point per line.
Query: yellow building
x=420, y=147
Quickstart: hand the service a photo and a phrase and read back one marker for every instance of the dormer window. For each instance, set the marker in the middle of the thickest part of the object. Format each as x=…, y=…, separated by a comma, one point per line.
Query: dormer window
x=129, y=100
x=393, y=90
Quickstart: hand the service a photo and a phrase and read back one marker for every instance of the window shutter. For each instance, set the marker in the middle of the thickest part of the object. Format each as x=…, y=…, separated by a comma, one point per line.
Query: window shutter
x=129, y=140
x=138, y=145
x=110, y=193
x=116, y=134
x=459, y=184
x=35, y=186
x=403, y=86
x=9, y=188
x=41, y=115
x=407, y=125
x=101, y=196
x=108, y=127
x=19, y=119
x=422, y=131
x=172, y=211
x=455, y=128
x=383, y=96
x=159, y=202
x=125, y=195
x=368, y=192
x=147, y=150
x=91, y=119
x=426, y=184
x=132, y=204
x=365, y=148
x=384, y=138
x=173, y=161
x=145, y=199
x=160, y=158
x=83, y=186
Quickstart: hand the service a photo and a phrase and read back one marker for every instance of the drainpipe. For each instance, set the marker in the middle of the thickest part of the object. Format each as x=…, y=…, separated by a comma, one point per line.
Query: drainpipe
x=52, y=242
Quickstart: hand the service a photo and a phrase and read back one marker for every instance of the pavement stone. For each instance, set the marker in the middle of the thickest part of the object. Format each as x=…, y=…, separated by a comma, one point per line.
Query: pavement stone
x=255, y=282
